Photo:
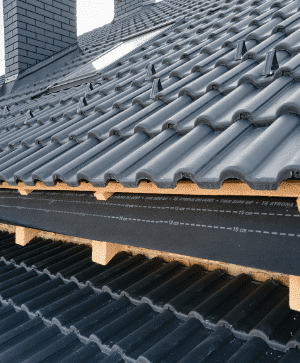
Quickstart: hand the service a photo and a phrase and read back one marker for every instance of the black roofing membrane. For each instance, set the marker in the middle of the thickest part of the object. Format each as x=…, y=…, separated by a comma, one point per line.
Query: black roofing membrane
x=258, y=232
x=61, y=308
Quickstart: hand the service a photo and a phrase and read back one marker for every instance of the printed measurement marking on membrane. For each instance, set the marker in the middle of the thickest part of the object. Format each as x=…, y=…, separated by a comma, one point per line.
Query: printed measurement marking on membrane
x=170, y=222
x=181, y=199
x=240, y=212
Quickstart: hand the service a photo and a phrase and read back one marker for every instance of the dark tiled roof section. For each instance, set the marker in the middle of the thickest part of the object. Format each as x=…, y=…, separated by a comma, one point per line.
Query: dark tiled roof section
x=59, y=283
x=93, y=44
x=146, y=19
x=224, y=111
x=29, y=340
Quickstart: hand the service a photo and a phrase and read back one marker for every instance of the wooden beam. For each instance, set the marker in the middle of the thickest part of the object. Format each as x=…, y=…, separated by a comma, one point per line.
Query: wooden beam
x=294, y=293
x=103, y=195
x=25, y=235
x=103, y=252
x=289, y=188
x=25, y=191
x=298, y=203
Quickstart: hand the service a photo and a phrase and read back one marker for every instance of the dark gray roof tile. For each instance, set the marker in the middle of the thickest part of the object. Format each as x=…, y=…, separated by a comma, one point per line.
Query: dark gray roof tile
x=98, y=171
x=69, y=171
x=259, y=50
x=156, y=122
x=63, y=136
x=45, y=173
x=136, y=96
x=27, y=137
x=9, y=168
x=105, y=105
x=45, y=137
x=290, y=43
x=171, y=93
x=184, y=122
x=127, y=128
x=203, y=81
x=288, y=10
x=26, y=174
x=104, y=122
x=173, y=306
x=289, y=25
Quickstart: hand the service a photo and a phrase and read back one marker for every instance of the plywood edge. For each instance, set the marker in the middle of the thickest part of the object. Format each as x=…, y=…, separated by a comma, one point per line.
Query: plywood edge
x=210, y=265
x=289, y=188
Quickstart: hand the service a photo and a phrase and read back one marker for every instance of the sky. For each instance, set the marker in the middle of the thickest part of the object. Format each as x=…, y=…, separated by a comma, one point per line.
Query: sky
x=91, y=14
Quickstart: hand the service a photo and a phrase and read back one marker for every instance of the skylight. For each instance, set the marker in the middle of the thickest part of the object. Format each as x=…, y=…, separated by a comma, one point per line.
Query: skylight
x=89, y=71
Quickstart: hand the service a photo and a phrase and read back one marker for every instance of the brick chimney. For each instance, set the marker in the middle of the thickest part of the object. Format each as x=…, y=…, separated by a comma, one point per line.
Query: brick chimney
x=35, y=30
x=124, y=8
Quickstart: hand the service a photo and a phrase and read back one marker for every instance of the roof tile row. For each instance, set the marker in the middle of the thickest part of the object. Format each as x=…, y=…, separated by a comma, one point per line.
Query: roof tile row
x=59, y=283
x=51, y=316
x=213, y=93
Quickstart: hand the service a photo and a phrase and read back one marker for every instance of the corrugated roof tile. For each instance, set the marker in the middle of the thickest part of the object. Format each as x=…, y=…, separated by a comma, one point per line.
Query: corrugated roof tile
x=203, y=81
x=136, y=309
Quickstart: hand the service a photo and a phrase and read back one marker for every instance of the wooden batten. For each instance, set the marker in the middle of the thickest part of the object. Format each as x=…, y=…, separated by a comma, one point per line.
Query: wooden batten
x=103, y=252
x=210, y=265
x=294, y=293
x=25, y=235
x=230, y=188
x=25, y=191
x=103, y=195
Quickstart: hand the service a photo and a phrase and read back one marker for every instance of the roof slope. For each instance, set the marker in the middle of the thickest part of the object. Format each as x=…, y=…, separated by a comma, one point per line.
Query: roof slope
x=151, y=16
x=217, y=116
x=92, y=44
x=136, y=309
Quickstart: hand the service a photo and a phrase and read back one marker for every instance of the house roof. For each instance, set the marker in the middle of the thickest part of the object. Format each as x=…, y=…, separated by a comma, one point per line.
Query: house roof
x=217, y=117
x=59, y=306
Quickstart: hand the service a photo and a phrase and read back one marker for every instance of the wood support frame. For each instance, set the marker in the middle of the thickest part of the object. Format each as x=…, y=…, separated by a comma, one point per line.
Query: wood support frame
x=294, y=293
x=25, y=191
x=25, y=235
x=103, y=195
x=103, y=252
